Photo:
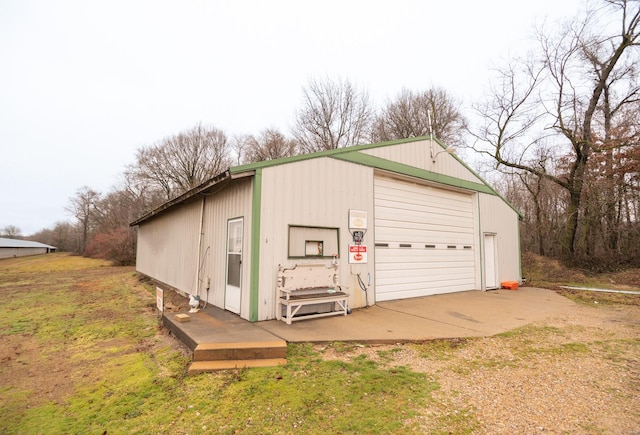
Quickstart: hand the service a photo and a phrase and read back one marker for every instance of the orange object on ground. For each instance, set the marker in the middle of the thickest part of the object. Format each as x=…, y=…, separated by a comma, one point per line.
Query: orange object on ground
x=511, y=285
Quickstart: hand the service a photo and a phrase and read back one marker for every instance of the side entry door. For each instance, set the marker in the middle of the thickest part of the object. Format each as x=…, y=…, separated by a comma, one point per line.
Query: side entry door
x=233, y=292
x=490, y=261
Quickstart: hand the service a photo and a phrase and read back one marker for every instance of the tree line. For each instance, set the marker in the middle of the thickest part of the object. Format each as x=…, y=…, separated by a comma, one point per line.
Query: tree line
x=558, y=134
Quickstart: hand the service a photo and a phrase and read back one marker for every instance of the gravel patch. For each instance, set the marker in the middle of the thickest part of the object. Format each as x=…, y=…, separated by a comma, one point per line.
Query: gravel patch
x=575, y=373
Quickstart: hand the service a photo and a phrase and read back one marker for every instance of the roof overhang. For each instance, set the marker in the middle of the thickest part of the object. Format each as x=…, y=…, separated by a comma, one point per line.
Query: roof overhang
x=209, y=187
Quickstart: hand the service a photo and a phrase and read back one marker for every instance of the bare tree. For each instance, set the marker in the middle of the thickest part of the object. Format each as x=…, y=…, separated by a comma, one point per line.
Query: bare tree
x=181, y=162
x=83, y=207
x=11, y=232
x=560, y=95
x=334, y=114
x=270, y=144
x=63, y=236
x=239, y=144
x=413, y=114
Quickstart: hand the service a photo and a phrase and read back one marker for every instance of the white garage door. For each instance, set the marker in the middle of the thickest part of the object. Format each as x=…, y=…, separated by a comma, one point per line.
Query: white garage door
x=424, y=240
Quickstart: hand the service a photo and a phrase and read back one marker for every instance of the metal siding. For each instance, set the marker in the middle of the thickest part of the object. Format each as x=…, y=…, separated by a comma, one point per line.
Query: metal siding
x=219, y=208
x=497, y=217
x=168, y=244
x=418, y=154
x=316, y=192
x=168, y=247
x=430, y=238
x=21, y=252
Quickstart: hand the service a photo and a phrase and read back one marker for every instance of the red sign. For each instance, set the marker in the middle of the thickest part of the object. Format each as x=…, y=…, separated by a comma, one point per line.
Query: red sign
x=357, y=254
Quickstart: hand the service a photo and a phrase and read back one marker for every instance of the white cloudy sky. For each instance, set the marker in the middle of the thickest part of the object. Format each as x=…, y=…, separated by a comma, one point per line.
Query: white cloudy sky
x=84, y=83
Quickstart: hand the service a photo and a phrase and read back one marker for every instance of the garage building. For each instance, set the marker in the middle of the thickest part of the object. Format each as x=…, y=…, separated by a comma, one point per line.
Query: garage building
x=402, y=219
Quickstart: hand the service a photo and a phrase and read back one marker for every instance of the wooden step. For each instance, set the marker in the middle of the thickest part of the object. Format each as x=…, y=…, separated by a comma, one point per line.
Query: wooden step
x=212, y=366
x=249, y=350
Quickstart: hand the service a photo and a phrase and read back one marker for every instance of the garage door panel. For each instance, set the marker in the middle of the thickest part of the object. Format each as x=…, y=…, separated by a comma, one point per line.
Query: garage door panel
x=425, y=240
x=414, y=291
x=390, y=194
x=423, y=257
x=392, y=217
x=434, y=280
x=387, y=186
x=385, y=226
x=425, y=207
x=426, y=204
x=426, y=237
x=443, y=266
x=390, y=223
x=443, y=285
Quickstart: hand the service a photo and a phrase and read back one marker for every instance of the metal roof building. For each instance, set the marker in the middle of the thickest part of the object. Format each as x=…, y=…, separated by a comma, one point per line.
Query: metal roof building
x=401, y=219
x=20, y=248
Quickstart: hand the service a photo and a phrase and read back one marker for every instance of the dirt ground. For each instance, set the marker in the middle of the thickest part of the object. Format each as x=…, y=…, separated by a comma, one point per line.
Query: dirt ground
x=53, y=372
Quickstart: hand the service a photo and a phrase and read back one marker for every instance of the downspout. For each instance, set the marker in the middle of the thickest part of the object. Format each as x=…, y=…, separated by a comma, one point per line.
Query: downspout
x=197, y=280
x=483, y=287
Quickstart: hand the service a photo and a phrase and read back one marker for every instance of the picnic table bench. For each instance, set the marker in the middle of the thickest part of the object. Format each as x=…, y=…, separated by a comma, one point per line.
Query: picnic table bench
x=305, y=285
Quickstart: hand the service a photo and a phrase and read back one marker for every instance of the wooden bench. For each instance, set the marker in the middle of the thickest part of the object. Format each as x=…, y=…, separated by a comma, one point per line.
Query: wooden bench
x=308, y=284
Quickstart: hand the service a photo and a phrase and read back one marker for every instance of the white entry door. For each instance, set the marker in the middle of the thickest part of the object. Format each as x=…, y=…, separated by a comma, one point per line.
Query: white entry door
x=234, y=265
x=490, y=262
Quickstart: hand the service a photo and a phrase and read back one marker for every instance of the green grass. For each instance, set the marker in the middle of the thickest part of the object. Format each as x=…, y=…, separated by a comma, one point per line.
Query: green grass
x=104, y=367
x=313, y=396
x=439, y=350
x=82, y=352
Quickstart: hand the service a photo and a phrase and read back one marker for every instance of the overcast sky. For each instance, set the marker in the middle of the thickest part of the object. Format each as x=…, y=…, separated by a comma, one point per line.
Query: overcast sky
x=83, y=84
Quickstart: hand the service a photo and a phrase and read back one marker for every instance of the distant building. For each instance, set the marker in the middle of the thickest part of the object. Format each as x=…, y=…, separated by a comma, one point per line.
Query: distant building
x=20, y=248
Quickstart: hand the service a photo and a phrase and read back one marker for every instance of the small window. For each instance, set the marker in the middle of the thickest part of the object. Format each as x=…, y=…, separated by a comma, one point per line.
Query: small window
x=313, y=242
x=451, y=246
x=405, y=245
x=314, y=248
x=430, y=246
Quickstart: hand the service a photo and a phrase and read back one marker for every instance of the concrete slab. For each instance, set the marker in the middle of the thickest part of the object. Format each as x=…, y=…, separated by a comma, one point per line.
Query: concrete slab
x=464, y=314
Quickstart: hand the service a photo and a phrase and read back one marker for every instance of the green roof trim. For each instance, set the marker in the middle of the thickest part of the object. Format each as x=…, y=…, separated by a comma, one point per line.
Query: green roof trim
x=353, y=154
x=400, y=168
x=327, y=153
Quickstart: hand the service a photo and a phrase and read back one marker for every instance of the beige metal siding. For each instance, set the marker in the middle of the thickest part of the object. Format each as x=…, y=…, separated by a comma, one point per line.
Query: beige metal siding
x=21, y=252
x=316, y=192
x=228, y=204
x=418, y=154
x=171, y=250
x=168, y=247
x=496, y=217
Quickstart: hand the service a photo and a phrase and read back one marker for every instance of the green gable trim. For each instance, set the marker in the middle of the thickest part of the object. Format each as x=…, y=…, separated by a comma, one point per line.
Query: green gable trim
x=327, y=153
x=256, y=206
x=400, y=168
x=347, y=154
